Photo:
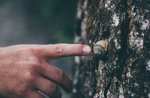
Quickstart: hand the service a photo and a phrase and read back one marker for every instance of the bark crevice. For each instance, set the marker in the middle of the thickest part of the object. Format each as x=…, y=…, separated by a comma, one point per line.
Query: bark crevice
x=123, y=53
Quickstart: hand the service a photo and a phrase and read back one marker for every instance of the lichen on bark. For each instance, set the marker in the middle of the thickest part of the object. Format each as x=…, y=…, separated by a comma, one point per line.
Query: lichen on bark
x=125, y=70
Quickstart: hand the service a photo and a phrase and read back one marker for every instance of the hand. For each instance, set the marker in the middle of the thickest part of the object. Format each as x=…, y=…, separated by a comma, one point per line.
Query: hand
x=25, y=71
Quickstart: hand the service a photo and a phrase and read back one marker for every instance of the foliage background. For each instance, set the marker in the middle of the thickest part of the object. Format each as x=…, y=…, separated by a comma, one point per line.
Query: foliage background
x=50, y=20
x=38, y=22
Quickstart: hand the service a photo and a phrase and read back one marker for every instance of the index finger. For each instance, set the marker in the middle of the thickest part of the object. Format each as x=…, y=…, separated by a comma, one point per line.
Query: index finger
x=59, y=50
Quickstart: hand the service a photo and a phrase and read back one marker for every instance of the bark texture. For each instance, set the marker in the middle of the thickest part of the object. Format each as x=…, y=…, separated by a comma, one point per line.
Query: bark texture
x=125, y=70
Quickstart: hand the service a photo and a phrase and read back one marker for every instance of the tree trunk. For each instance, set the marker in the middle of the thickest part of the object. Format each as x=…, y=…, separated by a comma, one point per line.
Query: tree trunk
x=124, y=71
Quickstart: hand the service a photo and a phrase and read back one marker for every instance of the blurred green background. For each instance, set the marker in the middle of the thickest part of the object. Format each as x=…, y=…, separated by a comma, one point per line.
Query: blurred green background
x=43, y=21
x=39, y=22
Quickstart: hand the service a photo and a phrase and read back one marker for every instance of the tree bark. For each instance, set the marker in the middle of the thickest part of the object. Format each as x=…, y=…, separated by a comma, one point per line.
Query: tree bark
x=124, y=71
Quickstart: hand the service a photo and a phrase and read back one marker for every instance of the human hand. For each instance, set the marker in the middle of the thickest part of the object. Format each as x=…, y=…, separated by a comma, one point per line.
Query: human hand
x=24, y=70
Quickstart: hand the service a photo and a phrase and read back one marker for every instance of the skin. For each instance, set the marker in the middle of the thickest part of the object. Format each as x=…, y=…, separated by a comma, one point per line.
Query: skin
x=25, y=71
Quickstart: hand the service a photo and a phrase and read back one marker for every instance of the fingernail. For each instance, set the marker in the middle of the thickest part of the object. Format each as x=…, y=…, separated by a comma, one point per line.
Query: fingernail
x=87, y=49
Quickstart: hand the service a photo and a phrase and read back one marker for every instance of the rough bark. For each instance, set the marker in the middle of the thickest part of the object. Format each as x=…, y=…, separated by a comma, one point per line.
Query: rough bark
x=125, y=70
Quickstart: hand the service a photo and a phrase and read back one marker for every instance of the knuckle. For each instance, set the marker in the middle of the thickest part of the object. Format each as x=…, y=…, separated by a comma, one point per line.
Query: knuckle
x=34, y=62
x=29, y=77
x=59, y=48
x=52, y=88
x=34, y=50
x=60, y=75
x=28, y=49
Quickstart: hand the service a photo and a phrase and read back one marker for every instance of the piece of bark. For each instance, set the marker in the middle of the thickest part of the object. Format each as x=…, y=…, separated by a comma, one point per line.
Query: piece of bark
x=125, y=70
